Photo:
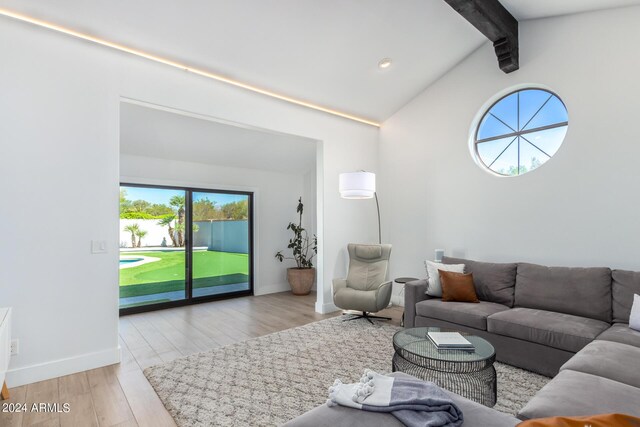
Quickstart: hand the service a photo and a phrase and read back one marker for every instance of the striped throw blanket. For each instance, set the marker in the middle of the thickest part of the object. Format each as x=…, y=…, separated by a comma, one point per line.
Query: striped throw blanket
x=413, y=402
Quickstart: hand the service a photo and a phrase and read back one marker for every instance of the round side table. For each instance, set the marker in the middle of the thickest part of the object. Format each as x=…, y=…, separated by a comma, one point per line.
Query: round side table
x=402, y=281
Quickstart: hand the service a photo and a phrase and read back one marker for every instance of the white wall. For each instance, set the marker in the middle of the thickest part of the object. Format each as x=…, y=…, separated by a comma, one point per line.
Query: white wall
x=59, y=106
x=154, y=236
x=309, y=217
x=275, y=199
x=579, y=209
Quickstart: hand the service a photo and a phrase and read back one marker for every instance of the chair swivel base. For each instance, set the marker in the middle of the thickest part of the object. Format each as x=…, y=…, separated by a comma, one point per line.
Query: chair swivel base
x=364, y=315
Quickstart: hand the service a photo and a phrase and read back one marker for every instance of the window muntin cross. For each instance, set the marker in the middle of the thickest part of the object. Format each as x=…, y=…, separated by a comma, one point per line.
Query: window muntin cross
x=521, y=131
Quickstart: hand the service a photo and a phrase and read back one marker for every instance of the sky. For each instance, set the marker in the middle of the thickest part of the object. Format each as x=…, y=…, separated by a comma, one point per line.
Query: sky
x=163, y=195
x=523, y=111
x=530, y=116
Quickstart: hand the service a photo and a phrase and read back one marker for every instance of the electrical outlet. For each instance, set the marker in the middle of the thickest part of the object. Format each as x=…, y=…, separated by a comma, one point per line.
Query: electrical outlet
x=15, y=347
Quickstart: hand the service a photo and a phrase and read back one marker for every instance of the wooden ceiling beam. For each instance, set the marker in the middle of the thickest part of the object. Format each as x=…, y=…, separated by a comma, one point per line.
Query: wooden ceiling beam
x=497, y=24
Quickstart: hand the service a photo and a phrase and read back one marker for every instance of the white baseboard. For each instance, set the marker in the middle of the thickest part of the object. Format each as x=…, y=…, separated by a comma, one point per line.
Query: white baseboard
x=58, y=368
x=271, y=289
x=326, y=308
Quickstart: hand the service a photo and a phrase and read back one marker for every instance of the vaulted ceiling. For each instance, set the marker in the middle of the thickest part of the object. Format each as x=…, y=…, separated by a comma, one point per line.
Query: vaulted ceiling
x=322, y=51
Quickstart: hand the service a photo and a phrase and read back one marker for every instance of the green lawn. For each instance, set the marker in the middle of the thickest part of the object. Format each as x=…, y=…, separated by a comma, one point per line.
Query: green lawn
x=210, y=268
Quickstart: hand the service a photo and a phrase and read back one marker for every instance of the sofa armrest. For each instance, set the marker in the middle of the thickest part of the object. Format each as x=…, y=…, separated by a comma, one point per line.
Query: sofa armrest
x=338, y=284
x=414, y=292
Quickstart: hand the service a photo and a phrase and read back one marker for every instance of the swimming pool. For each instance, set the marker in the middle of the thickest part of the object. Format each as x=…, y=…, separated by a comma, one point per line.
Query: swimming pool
x=129, y=260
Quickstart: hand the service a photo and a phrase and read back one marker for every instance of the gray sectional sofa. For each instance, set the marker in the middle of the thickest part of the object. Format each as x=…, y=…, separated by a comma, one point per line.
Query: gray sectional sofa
x=567, y=323
x=475, y=415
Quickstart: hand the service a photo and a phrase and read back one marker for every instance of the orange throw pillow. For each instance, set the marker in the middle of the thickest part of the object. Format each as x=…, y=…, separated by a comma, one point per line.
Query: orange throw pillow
x=457, y=287
x=602, y=420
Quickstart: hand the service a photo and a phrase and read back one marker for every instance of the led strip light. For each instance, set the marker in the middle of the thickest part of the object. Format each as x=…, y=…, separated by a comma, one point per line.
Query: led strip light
x=184, y=67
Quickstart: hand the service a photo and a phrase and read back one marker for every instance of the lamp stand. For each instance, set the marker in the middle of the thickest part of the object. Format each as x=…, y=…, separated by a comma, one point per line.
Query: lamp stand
x=378, y=207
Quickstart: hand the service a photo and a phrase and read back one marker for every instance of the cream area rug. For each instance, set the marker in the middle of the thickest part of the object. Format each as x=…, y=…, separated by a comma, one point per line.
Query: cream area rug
x=269, y=380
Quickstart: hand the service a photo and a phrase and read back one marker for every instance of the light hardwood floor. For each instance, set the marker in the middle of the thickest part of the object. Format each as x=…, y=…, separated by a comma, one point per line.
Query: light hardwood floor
x=120, y=395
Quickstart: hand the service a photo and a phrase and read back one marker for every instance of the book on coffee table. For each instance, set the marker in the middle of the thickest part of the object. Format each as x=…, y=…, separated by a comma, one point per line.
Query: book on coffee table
x=450, y=341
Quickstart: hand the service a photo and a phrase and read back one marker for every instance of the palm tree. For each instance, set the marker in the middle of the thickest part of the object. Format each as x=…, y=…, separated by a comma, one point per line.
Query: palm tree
x=180, y=233
x=167, y=221
x=178, y=203
x=180, y=228
x=133, y=229
x=140, y=234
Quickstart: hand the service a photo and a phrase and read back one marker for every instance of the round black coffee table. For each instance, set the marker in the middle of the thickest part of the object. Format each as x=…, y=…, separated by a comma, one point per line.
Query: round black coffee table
x=469, y=374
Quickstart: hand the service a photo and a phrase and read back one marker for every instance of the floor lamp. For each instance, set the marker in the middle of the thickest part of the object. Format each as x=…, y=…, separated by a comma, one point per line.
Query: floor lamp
x=360, y=185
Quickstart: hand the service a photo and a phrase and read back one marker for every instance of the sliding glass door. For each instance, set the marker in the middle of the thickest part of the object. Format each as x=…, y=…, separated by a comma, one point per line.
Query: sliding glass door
x=152, y=249
x=183, y=245
x=220, y=243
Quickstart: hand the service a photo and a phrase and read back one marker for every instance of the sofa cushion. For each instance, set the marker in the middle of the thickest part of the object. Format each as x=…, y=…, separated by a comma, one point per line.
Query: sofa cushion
x=624, y=285
x=622, y=333
x=494, y=282
x=341, y=416
x=609, y=360
x=573, y=394
x=473, y=315
x=582, y=292
x=557, y=330
x=475, y=415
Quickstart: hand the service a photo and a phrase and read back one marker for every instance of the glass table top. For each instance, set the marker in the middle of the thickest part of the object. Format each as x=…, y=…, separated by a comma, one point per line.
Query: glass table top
x=416, y=342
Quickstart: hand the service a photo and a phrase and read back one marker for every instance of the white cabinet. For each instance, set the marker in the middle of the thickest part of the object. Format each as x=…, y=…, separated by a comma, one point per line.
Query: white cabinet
x=5, y=347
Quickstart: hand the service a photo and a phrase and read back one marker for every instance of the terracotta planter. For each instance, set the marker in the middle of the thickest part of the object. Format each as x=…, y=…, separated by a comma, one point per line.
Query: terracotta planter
x=301, y=280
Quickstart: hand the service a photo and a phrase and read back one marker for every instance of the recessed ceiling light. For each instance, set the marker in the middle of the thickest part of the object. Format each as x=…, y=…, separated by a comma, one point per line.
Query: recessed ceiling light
x=384, y=63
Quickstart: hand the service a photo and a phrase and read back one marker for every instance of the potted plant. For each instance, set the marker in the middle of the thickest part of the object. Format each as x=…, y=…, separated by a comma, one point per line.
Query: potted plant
x=304, y=248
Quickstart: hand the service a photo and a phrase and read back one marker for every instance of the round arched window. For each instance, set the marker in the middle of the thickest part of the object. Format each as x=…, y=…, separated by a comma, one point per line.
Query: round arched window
x=521, y=131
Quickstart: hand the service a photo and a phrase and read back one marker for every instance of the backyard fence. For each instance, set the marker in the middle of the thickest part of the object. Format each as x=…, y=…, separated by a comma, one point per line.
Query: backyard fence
x=223, y=236
x=218, y=235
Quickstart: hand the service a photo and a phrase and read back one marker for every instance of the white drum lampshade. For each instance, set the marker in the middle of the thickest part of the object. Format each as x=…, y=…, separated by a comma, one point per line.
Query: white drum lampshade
x=357, y=185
